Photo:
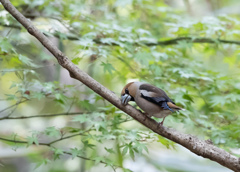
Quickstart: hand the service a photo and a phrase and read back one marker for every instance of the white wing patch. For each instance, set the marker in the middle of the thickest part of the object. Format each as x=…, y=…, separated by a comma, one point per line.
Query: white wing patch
x=148, y=93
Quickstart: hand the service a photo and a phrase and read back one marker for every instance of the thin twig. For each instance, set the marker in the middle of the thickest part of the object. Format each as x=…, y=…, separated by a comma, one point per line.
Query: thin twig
x=19, y=102
x=170, y=41
x=21, y=142
x=44, y=115
x=70, y=107
x=36, y=68
x=65, y=152
x=67, y=137
x=174, y=41
x=49, y=145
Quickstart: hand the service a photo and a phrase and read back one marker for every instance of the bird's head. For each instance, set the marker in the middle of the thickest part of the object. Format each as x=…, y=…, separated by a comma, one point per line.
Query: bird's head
x=128, y=93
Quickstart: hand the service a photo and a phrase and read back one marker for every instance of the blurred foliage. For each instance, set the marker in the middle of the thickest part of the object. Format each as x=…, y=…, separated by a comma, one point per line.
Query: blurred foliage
x=110, y=40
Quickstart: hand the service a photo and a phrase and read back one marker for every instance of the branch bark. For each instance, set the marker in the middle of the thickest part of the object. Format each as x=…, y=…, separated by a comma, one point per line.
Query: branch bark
x=200, y=147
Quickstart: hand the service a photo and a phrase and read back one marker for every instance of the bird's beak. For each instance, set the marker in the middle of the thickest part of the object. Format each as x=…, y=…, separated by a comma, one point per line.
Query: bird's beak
x=125, y=99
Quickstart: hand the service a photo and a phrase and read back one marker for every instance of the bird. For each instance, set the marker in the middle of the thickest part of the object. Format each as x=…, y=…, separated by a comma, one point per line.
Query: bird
x=151, y=99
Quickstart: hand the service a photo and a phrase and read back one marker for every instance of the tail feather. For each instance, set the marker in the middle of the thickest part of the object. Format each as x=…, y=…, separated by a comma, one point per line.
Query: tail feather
x=175, y=107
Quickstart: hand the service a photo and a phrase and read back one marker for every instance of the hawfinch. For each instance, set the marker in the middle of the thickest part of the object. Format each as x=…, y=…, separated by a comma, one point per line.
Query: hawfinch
x=152, y=100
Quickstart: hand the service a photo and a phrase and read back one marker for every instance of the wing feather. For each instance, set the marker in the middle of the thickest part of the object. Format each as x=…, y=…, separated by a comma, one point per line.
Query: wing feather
x=158, y=97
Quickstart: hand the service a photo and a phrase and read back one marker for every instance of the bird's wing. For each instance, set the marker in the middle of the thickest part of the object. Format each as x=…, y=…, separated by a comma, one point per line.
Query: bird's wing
x=157, y=96
x=160, y=101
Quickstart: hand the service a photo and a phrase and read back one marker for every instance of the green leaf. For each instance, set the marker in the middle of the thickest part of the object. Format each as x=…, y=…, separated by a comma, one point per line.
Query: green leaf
x=143, y=58
x=52, y=132
x=11, y=97
x=43, y=162
x=166, y=142
x=107, y=67
x=100, y=124
x=188, y=97
x=110, y=150
x=85, y=104
x=32, y=140
x=87, y=144
x=98, y=159
x=57, y=153
x=85, y=42
x=131, y=152
x=38, y=95
x=140, y=147
x=60, y=98
x=81, y=118
x=143, y=31
x=76, y=60
x=125, y=150
x=5, y=45
x=215, y=100
x=71, y=129
x=108, y=41
x=98, y=114
x=26, y=60
x=76, y=152
x=20, y=76
x=133, y=135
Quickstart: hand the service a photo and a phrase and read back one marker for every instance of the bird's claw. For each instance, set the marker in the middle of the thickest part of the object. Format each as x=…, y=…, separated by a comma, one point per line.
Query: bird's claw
x=160, y=124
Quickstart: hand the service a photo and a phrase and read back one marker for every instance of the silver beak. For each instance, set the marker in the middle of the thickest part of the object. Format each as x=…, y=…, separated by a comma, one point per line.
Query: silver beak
x=125, y=99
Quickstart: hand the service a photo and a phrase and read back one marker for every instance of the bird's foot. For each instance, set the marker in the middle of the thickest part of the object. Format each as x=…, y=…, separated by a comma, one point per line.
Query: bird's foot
x=160, y=124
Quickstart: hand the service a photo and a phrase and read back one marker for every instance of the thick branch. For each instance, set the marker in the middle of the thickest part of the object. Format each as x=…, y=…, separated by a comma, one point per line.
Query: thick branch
x=197, y=146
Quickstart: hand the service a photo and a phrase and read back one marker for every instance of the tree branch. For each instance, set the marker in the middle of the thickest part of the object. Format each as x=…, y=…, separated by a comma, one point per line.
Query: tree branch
x=49, y=145
x=197, y=146
x=44, y=115
x=194, y=40
x=172, y=41
x=89, y=159
x=16, y=104
x=54, y=115
x=175, y=41
x=64, y=138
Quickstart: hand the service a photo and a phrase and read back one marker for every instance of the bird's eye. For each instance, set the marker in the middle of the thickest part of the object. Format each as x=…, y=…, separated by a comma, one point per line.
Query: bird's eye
x=126, y=91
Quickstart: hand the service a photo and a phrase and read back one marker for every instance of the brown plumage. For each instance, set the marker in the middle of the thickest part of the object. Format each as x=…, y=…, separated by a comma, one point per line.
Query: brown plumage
x=152, y=100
